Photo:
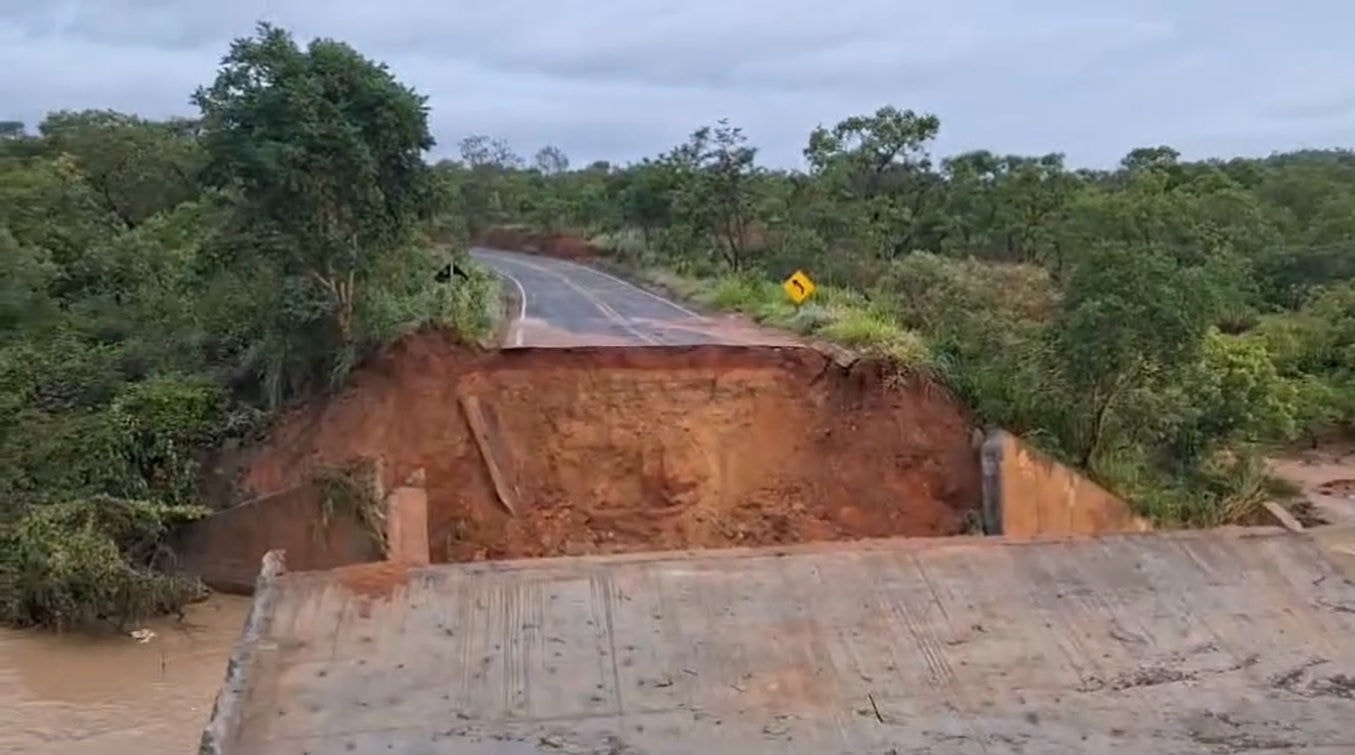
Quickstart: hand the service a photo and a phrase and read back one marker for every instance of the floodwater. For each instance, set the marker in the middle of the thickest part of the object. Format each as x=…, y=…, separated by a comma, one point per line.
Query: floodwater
x=112, y=695
x=1325, y=476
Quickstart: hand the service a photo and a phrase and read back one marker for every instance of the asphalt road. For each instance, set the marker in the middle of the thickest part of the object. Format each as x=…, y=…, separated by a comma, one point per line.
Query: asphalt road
x=566, y=304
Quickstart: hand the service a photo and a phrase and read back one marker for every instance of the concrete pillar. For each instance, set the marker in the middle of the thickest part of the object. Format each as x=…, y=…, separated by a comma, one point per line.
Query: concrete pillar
x=407, y=522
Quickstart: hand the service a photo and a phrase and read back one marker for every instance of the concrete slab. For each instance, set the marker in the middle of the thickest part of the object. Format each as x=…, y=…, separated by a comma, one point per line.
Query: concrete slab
x=1217, y=641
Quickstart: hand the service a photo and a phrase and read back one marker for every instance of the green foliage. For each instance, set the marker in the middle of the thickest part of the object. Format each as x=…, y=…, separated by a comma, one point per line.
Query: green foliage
x=740, y=294
x=320, y=154
x=985, y=325
x=471, y=307
x=1144, y=323
x=73, y=563
x=351, y=490
x=1126, y=325
x=136, y=168
x=163, y=285
x=162, y=423
x=1235, y=395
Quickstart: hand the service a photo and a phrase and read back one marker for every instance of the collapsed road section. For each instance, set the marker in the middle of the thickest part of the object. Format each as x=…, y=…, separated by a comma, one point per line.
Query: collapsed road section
x=548, y=452
x=554, y=449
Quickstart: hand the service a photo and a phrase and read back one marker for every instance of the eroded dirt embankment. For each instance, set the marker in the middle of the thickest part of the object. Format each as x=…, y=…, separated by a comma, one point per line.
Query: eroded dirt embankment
x=562, y=246
x=608, y=450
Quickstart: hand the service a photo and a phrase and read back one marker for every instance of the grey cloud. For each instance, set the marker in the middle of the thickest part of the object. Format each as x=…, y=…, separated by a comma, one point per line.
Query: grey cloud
x=618, y=79
x=1338, y=105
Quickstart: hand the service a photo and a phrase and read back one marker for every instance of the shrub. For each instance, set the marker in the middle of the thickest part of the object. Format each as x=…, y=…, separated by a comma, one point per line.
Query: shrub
x=79, y=562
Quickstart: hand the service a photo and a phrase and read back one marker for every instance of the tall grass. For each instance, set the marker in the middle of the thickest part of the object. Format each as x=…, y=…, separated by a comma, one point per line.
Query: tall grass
x=833, y=314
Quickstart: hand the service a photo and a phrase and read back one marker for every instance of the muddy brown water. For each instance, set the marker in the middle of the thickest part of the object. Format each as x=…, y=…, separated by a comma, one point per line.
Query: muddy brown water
x=112, y=695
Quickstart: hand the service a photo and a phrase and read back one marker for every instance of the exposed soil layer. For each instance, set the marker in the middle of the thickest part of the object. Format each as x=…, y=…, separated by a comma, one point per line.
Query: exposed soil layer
x=374, y=580
x=1342, y=487
x=1325, y=480
x=530, y=242
x=611, y=449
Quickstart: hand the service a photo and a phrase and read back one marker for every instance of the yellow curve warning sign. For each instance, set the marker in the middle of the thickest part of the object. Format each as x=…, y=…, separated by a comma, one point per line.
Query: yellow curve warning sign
x=798, y=287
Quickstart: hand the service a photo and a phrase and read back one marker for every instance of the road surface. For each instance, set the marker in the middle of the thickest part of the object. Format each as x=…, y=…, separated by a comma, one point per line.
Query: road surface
x=1189, y=642
x=566, y=304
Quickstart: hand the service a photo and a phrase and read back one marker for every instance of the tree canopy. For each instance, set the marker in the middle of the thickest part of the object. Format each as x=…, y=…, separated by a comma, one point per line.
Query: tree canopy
x=1160, y=324
x=165, y=285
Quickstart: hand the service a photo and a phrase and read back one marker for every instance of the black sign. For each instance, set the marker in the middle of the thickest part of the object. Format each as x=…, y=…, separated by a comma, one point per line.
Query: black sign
x=445, y=274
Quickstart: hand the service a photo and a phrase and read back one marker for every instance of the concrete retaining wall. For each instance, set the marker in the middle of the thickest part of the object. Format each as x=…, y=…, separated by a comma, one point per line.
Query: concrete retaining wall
x=1027, y=494
x=225, y=548
x=407, y=522
x=407, y=539
x=221, y=729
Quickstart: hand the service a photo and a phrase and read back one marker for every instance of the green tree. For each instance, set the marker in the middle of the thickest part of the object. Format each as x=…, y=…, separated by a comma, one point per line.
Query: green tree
x=881, y=164
x=1233, y=395
x=161, y=280
x=550, y=161
x=711, y=177
x=135, y=167
x=321, y=151
x=728, y=170
x=1130, y=319
x=645, y=198
x=483, y=179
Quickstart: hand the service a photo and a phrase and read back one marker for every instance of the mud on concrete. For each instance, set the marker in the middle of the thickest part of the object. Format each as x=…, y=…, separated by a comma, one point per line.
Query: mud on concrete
x=603, y=450
x=1219, y=641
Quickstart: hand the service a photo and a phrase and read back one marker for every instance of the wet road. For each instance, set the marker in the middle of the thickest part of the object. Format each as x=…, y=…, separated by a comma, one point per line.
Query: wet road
x=566, y=304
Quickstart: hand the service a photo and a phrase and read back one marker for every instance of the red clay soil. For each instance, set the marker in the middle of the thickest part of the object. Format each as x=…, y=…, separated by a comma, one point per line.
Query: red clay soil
x=374, y=580
x=612, y=450
x=1340, y=487
x=529, y=242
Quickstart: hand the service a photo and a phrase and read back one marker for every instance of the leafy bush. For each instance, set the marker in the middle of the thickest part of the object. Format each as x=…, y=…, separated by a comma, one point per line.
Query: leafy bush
x=164, y=425
x=78, y=562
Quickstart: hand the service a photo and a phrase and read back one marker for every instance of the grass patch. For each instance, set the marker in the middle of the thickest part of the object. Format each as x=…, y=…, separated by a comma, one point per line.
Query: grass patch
x=840, y=315
x=1231, y=487
x=735, y=293
x=869, y=332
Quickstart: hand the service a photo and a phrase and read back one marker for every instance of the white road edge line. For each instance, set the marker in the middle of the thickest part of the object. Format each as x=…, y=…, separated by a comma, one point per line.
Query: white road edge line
x=522, y=303
x=650, y=294
x=602, y=306
x=522, y=310
x=610, y=277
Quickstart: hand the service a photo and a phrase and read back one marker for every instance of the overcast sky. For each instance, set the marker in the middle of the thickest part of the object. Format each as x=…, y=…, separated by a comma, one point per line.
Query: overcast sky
x=620, y=79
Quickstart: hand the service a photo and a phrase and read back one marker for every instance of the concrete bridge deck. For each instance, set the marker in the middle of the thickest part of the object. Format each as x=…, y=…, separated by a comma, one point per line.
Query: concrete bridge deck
x=1217, y=641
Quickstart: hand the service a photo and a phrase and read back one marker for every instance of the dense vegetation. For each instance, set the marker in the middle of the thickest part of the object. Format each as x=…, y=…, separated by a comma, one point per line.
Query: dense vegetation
x=164, y=285
x=1159, y=325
